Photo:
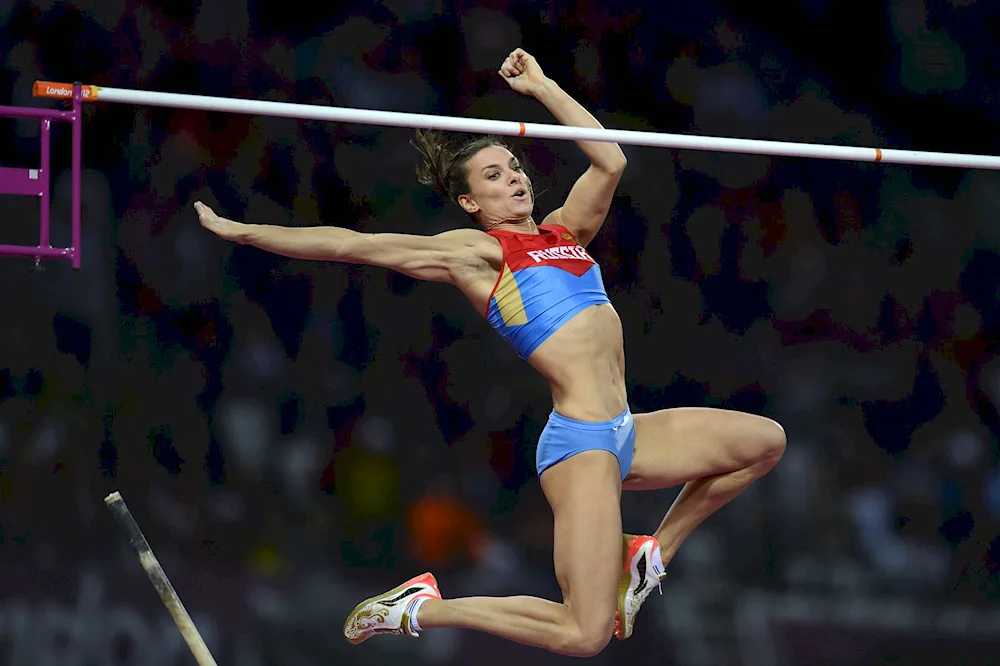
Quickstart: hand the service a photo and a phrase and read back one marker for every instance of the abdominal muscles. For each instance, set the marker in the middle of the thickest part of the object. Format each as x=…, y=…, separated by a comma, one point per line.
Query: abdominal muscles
x=584, y=363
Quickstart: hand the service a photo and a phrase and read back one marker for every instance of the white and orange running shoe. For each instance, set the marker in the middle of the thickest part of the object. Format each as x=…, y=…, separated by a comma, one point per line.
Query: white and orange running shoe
x=640, y=573
x=389, y=613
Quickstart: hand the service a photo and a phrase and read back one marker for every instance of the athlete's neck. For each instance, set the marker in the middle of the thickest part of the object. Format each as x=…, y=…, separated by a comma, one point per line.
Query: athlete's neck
x=525, y=226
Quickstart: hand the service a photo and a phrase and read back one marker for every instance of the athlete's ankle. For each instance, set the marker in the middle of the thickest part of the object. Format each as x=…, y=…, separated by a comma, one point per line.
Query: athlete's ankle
x=659, y=563
x=411, y=613
x=665, y=552
x=429, y=611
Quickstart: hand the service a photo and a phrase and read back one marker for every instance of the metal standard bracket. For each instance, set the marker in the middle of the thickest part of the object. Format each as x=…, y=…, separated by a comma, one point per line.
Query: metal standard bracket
x=37, y=182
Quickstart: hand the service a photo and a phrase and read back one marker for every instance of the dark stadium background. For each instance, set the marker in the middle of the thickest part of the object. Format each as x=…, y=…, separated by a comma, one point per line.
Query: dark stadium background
x=293, y=436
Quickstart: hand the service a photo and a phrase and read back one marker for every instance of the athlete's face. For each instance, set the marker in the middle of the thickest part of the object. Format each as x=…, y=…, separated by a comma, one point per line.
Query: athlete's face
x=499, y=191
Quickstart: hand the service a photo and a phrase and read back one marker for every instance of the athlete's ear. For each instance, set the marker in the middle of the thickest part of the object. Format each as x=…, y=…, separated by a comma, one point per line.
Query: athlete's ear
x=468, y=204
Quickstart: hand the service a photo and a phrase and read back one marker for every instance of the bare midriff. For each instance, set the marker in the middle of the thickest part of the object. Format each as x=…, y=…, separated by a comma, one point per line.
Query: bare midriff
x=584, y=364
x=583, y=361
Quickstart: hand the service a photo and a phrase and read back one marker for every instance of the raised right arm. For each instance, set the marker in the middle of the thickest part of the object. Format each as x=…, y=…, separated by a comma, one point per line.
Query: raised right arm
x=438, y=258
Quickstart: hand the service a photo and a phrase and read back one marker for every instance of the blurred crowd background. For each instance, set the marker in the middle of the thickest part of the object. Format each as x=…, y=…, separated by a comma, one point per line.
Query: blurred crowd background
x=293, y=436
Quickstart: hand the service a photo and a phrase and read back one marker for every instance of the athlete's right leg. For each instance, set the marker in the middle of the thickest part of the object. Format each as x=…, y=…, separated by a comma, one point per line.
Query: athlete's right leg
x=584, y=492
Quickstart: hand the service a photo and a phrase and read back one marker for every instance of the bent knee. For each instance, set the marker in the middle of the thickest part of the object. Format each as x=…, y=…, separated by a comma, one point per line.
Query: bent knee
x=771, y=442
x=589, y=641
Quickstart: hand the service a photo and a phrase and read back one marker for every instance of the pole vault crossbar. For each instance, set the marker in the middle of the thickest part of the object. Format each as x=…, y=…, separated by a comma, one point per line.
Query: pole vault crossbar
x=515, y=128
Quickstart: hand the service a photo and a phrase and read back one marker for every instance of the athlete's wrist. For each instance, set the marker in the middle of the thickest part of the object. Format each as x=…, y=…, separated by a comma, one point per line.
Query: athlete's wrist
x=545, y=91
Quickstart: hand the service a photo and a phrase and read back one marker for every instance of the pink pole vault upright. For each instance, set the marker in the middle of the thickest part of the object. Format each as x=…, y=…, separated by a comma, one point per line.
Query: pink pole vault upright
x=37, y=182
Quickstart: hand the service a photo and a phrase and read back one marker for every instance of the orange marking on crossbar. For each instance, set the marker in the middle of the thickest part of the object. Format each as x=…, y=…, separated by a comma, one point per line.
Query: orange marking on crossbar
x=878, y=155
x=53, y=90
x=522, y=130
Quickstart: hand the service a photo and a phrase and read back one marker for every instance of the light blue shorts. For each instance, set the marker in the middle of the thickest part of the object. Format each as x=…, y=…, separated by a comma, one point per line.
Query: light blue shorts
x=563, y=438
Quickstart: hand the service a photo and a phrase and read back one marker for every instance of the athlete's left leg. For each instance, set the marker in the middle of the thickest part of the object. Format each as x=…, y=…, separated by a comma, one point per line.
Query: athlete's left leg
x=715, y=453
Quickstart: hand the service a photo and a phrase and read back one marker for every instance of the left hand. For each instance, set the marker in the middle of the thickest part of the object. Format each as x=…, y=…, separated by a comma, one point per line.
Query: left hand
x=522, y=72
x=220, y=226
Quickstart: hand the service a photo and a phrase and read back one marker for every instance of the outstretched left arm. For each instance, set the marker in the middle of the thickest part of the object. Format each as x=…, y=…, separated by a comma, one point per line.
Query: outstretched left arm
x=589, y=200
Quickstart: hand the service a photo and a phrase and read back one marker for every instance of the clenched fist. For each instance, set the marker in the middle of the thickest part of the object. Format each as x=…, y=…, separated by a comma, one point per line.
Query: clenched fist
x=522, y=72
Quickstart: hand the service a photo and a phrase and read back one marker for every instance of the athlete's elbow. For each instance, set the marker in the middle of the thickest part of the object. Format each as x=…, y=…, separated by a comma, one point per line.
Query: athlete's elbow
x=615, y=164
x=622, y=161
x=349, y=248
